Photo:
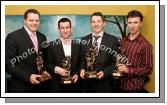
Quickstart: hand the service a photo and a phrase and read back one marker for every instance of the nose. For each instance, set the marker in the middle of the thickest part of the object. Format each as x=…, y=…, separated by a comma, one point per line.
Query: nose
x=35, y=22
x=65, y=30
x=96, y=23
x=133, y=24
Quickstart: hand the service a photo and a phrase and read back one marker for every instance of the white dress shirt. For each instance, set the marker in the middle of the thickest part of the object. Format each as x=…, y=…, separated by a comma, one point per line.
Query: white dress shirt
x=66, y=46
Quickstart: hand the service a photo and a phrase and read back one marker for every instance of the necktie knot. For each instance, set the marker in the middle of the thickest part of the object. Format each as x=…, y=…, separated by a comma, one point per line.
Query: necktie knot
x=33, y=34
x=96, y=37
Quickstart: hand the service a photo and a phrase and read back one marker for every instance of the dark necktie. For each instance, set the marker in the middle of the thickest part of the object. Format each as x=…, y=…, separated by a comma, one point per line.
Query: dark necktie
x=95, y=45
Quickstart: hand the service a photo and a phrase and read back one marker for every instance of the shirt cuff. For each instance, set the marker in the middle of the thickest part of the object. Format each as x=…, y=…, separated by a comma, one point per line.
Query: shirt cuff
x=130, y=71
x=55, y=70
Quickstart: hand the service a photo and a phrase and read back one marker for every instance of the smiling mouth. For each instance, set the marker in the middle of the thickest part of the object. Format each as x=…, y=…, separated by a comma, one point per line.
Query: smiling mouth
x=132, y=29
x=96, y=27
x=34, y=27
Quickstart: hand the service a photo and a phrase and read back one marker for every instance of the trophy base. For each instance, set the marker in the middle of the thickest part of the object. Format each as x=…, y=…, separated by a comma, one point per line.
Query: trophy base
x=45, y=77
x=66, y=80
x=90, y=74
x=118, y=74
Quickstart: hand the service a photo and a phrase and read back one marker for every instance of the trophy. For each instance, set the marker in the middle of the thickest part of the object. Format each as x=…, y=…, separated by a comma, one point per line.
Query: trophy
x=66, y=65
x=90, y=59
x=45, y=74
x=119, y=60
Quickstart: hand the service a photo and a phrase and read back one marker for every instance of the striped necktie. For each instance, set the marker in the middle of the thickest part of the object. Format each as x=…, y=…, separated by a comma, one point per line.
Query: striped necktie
x=95, y=45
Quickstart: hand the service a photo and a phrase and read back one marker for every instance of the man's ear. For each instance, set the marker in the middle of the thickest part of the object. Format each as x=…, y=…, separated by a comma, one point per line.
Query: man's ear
x=24, y=21
x=141, y=24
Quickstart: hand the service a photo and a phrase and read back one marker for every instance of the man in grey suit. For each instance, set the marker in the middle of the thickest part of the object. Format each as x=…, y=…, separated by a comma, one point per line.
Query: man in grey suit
x=21, y=49
x=104, y=61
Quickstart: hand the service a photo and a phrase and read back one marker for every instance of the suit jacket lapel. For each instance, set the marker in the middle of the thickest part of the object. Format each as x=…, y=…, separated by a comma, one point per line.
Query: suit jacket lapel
x=27, y=38
x=103, y=42
x=40, y=41
x=72, y=49
x=89, y=42
x=61, y=50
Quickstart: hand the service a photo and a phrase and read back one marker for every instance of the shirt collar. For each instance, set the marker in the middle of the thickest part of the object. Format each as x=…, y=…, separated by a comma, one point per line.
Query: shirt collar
x=99, y=34
x=28, y=31
x=64, y=42
x=138, y=37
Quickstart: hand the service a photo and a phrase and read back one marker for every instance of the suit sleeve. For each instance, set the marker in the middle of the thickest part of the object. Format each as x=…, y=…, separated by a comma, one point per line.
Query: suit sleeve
x=108, y=70
x=50, y=61
x=82, y=53
x=44, y=46
x=79, y=61
x=11, y=61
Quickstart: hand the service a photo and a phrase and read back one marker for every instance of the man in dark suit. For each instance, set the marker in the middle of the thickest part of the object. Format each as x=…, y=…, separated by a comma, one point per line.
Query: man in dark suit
x=57, y=51
x=104, y=61
x=21, y=48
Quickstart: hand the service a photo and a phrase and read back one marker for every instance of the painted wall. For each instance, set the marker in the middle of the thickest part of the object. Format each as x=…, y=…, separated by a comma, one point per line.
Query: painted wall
x=148, y=11
x=80, y=25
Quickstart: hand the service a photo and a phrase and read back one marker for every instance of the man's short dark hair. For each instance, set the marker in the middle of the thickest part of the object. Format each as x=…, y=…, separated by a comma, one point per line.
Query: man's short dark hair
x=64, y=20
x=30, y=11
x=135, y=13
x=98, y=14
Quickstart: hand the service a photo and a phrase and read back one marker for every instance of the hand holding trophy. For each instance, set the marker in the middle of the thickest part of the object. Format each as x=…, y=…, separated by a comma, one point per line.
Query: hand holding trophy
x=66, y=65
x=119, y=60
x=45, y=74
x=90, y=59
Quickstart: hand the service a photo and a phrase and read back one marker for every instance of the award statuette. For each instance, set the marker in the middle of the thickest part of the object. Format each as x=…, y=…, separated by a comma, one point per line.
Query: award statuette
x=45, y=74
x=90, y=59
x=119, y=60
x=66, y=65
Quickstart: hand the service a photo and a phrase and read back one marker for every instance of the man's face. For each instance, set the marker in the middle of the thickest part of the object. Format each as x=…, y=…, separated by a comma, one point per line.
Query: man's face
x=134, y=25
x=97, y=24
x=65, y=30
x=32, y=22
